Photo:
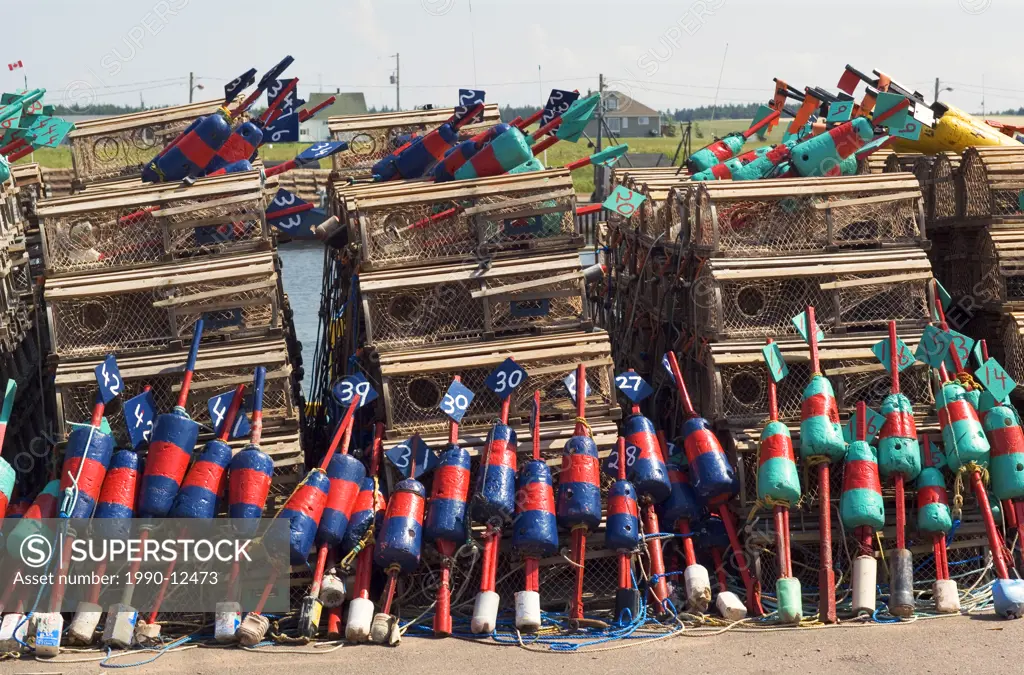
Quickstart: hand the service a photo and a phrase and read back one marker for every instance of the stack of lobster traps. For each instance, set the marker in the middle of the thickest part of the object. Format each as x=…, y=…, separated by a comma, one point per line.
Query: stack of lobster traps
x=981, y=247
x=430, y=281
x=23, y=337
x=645, y=296
x=131, y=267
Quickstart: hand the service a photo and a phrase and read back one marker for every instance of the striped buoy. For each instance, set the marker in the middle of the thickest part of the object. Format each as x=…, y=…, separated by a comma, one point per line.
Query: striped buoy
x=18, y=507
x=446, y=510
x=711, y=474
x=1007, y=456
x=535, y=530
x=820, y=432
x=346, y=474
x=251, y=470
x=647, y=472
x=861, y=502
x=579, y=486
x=962, y=434
x=898, y=449
x=7, y=473
x=778, y=481
x=622, y=528
x=171, y=445
x=43, y=507
x=494, y=500
x=932, y=502
x=400, y=537
x=117, y=497
x=303, y=510
x=85, y=465
x=205, y=481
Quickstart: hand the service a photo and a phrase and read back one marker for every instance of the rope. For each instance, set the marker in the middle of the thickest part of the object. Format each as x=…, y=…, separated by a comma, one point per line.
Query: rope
x=958, y=485
x=583, y=421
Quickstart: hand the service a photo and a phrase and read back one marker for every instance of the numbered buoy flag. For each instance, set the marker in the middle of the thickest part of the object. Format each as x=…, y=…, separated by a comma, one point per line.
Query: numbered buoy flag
x=403, y=454
x=570, y=386
x=345, y=390
x=874, y=425
x=905, y=358
x=667, y=367
x=934, y=346
x=456, y=401
x=996, y=380
x=139, y=415
x=633, y=386
x=108, y=377
x=218, y=408
x=624, y=201
x=800, y=323
x=776, y=364
x=505, y=378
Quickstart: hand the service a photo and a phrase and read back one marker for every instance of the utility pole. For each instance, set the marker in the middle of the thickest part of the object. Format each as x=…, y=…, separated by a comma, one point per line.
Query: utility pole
x=598, y=185
x=396, y=80
x=191, y=85
x=936, y=90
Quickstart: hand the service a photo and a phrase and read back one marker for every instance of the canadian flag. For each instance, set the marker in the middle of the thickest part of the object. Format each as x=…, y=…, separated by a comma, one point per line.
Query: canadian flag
x=17, y=64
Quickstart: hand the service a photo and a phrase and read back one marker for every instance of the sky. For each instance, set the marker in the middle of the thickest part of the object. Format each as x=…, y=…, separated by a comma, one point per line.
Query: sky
x=665, y=54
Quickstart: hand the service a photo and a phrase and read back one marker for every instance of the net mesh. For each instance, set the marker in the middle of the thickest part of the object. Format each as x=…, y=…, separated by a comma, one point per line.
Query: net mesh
x=424, y=315
x=414, y=398
x=944, y=188
x=765, y=226
x=123, y=152
x=1013, y=348
x=368, y=146
x=764, y=307
x=975, y=191
x=401, y=234
x=128, y=322
x=115, y=238
x=744, y=394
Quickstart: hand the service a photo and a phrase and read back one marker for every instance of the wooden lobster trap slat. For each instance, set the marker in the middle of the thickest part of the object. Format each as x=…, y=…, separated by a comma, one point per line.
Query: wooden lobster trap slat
x=734, y=388
x=157, y=307
x=945, y=200
x=146, y=224
x=992, y=182
x=371, y=138
x=874, y=163
x=757, y=297
x=119, y=146
x=425, y=223
x=807, y=215
x=219, y=368
x=464, y=302
x=414, y=381
x=1011, y=345
x=901, y=162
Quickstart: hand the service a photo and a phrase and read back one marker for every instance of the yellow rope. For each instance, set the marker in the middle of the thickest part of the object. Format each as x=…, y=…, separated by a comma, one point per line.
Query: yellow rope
x=583, y=421
x=958, y=485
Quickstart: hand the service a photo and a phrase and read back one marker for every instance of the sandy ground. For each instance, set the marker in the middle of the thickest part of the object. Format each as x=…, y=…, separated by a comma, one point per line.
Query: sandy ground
x=981, y=644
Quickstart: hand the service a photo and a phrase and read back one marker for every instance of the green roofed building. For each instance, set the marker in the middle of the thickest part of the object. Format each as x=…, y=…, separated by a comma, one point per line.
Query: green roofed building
x=348, y=103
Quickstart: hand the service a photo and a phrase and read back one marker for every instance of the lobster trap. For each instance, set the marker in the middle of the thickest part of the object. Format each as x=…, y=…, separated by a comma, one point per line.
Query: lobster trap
x=858, y=290
x=219, y=368
x=802, y=215
x=734, y=389
x=157, y=307
x=414, y=382
x=146, y=224
x=119, y=146
x=423, y=223
x=404, y=309
x=998, y=265
x=992, y=182
x=371, y=138
x=1012, y=344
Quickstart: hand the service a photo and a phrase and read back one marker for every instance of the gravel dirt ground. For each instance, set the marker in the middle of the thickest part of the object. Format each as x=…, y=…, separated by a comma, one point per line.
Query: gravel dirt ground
x=979, y=644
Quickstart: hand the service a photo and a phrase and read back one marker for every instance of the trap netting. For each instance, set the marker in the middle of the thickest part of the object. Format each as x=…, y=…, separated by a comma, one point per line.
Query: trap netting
x=152, y=318
x=412, y=398
x=1013, y=344
x=467, y=229
x=998, y=266
x=413, y=316
x=728, y=305
x=125, y=237
x=738, y=392
x=120, y=146
x=992, y=181
x=753, y=225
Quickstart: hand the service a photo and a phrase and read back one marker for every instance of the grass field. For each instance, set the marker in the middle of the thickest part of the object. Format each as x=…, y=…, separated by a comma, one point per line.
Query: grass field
x=558, y=155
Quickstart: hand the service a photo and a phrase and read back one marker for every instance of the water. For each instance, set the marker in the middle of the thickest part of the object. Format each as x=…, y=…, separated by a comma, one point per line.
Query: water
x=302, y=273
